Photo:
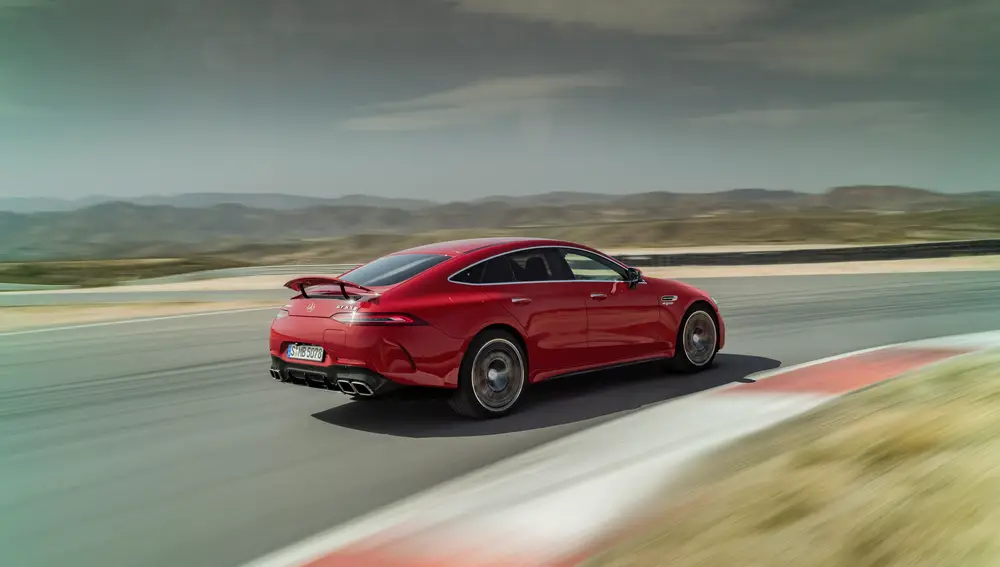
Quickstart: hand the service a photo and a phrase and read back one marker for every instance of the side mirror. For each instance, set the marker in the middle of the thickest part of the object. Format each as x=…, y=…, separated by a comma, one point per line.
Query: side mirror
x=633, y=277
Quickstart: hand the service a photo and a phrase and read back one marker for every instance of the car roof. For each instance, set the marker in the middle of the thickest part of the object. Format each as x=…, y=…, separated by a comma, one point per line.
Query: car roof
x=461, y=247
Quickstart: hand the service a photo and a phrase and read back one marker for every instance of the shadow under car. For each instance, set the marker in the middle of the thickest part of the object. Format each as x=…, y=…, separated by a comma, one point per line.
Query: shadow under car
x=422, y=412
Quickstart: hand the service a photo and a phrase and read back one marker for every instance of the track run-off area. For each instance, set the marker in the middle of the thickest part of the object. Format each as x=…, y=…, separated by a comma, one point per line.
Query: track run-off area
x=165, y=442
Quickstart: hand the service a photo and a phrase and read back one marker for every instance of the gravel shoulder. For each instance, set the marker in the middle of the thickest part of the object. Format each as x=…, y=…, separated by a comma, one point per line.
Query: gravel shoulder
x=958, y=264
x=28, y=317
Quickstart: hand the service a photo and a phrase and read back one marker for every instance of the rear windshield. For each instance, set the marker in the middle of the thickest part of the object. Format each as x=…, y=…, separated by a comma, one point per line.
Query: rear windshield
x=391, y=270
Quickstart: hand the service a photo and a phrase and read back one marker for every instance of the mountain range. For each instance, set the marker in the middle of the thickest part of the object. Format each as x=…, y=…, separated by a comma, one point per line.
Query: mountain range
x=276, y=201
x=860, y=196
x=207, y=223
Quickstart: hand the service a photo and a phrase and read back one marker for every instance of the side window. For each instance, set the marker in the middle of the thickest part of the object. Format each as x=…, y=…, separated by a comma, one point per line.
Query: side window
x=497, y=270
x=586, y=266
x=531, y=265
x=471, y=275
x=535, y=265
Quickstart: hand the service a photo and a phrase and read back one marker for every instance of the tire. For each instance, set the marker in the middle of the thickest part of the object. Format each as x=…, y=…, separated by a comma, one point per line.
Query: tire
x=492, y=378
x=697, y=341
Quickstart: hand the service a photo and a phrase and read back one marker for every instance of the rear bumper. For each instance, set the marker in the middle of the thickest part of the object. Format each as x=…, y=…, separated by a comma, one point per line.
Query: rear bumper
x=410, y=356
x=347, y=379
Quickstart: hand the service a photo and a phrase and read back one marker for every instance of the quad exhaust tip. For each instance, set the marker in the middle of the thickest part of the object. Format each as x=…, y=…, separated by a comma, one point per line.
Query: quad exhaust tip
x=354, y=388
x=362, y=389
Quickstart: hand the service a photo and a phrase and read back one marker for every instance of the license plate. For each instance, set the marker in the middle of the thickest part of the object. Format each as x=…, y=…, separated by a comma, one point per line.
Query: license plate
x=306, y=352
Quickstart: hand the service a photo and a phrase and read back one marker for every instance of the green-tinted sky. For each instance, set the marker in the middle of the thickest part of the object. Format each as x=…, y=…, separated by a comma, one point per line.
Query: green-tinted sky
x=455, y=98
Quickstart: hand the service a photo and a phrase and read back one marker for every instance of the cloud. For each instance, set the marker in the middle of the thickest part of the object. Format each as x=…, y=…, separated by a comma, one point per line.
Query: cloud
x=8, y=109
x=23, y=3
x=11, y=109
x=480, y=102
x=649, y=17
x=951, y=39
x=931, y=37
x=860, y=114
x=10, y=106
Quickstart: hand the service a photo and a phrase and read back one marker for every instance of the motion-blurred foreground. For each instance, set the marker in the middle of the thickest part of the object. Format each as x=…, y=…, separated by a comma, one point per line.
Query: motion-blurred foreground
x=902, y=474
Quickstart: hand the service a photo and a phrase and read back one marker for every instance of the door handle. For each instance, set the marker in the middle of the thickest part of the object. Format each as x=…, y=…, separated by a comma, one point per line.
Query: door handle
x=520, y=300
x=598, y=296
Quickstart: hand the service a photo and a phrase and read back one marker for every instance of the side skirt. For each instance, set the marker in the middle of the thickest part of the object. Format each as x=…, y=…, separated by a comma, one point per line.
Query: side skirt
x=604, y=368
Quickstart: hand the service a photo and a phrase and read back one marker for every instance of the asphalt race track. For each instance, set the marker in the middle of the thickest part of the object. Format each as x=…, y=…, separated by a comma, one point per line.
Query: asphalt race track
x=167, y=443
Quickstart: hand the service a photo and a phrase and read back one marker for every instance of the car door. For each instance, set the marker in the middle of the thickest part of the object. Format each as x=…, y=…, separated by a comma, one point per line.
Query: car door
x=623, y=323
x=553, y=314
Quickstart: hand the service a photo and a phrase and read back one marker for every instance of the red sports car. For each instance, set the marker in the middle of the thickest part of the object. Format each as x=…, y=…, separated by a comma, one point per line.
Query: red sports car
x=486, y=318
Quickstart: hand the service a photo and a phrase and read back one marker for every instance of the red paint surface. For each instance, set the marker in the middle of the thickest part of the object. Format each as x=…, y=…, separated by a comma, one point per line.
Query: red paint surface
x=566, y=326
x=851, y=373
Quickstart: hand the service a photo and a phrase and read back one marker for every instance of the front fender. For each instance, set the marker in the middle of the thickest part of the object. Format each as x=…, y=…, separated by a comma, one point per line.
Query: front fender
x=687, y=295
x=707, y=299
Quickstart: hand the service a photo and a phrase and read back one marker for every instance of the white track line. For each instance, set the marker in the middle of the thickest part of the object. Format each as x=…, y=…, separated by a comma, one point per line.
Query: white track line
x=141, y=320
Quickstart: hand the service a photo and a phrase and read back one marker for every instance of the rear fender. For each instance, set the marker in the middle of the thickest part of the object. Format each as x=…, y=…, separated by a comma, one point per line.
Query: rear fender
x=504, y=320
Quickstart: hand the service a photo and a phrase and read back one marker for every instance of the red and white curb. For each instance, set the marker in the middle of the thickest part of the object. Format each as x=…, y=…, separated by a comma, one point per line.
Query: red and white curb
x=557, y=504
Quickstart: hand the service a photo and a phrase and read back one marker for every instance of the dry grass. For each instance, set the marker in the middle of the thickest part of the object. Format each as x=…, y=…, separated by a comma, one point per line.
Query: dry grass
x=906, y=473
x=774, y=229
x=94, y=273
x=733, y=229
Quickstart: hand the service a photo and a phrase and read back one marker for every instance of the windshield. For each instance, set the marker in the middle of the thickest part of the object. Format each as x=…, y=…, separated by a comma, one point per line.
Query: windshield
x=394, y=269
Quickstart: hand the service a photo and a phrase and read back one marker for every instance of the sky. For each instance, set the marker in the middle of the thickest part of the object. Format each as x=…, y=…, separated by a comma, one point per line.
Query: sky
x=454, y=99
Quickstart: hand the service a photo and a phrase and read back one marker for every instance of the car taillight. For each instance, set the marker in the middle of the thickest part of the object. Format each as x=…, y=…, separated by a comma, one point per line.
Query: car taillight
x=356, y=318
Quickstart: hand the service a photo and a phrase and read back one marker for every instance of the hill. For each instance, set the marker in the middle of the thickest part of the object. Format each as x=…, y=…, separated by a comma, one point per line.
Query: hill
x=860, y=197
x=153, y=229
x=275, y=201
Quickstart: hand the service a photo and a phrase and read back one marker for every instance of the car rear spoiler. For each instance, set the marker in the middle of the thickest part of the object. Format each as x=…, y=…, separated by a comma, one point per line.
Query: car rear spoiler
x=300, y=284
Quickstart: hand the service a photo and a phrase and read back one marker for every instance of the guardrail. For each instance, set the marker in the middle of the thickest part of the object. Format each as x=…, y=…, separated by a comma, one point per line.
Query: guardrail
x=919, y=251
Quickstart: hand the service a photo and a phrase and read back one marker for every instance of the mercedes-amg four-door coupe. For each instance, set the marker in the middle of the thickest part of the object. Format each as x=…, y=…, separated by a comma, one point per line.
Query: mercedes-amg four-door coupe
x=486, y=318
